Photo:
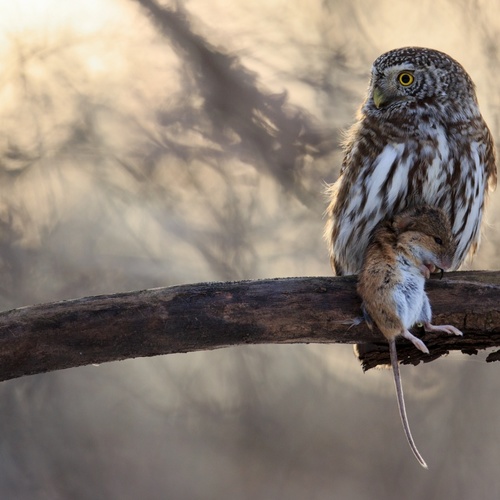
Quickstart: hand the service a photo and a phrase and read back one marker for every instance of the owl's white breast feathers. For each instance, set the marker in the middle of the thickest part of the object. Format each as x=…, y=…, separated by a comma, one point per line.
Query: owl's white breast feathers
x=412, y=173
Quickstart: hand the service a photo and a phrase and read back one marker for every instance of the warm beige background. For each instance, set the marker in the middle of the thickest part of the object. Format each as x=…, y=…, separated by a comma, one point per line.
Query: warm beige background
x=133, y=158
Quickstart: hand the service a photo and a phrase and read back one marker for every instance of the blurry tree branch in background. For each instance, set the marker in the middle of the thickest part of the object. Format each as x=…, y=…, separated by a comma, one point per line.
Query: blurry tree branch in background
x=208, y=316
x=260, y=128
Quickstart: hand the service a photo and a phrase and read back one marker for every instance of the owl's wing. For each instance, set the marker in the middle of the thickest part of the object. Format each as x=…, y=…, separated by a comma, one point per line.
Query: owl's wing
x=467, y=225
x=490, y=161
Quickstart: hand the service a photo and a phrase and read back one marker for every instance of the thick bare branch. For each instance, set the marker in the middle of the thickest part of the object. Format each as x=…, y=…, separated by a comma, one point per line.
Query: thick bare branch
x=206, y=316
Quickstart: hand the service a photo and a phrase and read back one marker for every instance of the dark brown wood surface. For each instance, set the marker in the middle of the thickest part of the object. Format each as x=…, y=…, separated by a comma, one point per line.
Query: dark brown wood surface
x=207, y=316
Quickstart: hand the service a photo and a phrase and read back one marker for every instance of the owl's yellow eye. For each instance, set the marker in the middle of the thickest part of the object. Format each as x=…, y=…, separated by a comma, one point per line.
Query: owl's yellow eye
x=405, y=78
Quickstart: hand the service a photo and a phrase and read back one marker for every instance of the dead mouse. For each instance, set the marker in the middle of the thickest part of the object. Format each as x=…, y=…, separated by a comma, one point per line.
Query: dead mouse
x=401, y=254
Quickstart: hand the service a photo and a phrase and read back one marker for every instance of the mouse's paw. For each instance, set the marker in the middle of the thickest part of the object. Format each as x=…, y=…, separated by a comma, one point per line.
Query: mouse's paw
x=416, y=341
x=442, y=328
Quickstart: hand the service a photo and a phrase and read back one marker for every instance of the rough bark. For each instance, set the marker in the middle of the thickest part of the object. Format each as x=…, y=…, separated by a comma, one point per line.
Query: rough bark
x=207, y=316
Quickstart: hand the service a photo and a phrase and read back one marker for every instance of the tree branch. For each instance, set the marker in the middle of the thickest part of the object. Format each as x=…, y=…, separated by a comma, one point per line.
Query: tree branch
x=206, y=316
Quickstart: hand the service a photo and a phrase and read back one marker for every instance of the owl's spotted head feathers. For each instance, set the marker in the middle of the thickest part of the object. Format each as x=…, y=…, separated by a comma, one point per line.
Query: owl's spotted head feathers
x=402, y=79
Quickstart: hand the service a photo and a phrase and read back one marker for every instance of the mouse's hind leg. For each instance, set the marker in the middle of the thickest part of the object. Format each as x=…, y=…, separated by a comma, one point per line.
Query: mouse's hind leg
x=416, y=341
x=425, y=318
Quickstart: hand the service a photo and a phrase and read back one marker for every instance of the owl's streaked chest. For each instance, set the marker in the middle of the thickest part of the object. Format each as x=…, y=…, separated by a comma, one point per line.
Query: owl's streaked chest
x=397, y=170
x=431, y=164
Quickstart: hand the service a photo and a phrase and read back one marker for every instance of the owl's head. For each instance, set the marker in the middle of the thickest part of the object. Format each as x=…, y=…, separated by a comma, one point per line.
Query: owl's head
x=406, y=78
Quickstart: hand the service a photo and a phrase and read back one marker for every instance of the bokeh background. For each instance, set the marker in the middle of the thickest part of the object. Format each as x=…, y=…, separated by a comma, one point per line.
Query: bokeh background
x=146, y=144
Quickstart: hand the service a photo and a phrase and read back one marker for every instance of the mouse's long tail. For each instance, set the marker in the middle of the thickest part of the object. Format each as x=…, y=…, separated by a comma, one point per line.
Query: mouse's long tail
x=401, y=403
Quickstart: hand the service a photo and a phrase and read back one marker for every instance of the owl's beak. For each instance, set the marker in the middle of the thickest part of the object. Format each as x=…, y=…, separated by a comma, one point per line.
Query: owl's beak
x=384, y=96
x=378, y=97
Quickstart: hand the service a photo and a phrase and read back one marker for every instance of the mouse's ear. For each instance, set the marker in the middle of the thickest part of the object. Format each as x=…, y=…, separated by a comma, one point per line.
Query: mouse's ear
x=403, y=222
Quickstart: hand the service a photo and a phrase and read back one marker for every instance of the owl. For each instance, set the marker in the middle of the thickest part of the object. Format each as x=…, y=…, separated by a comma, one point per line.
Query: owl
x=420, y=139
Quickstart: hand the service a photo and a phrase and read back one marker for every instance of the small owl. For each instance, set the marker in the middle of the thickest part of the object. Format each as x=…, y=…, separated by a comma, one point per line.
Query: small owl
x=420, y=139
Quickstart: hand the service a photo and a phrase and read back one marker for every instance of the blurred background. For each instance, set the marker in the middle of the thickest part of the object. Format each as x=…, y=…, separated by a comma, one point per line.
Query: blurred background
x=146, y=145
